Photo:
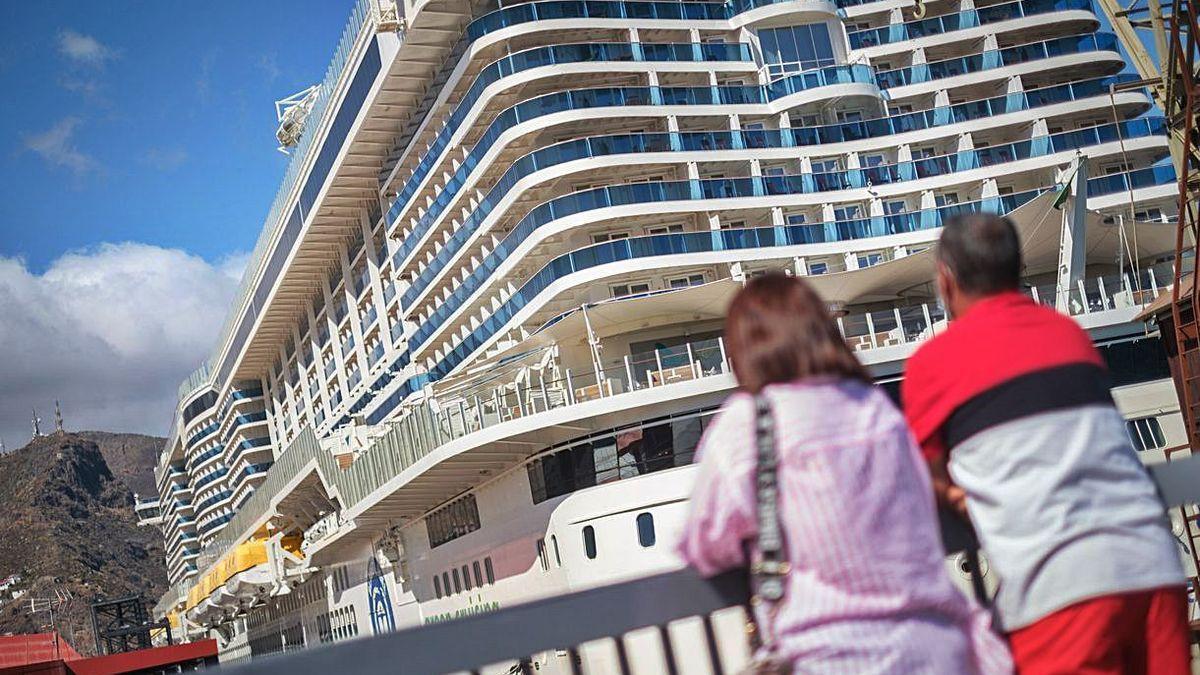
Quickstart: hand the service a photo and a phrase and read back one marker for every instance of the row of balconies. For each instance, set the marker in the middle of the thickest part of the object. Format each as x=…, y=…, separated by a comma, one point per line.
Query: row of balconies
x=537, y=57
x=967, y=159
x=878, y=174
x=808, y=136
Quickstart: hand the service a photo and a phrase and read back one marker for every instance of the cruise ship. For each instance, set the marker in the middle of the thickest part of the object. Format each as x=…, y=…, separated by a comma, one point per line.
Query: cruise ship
x=480, y=335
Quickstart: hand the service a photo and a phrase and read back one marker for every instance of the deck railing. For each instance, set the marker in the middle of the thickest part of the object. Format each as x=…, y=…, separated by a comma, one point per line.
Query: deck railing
x=670, y=623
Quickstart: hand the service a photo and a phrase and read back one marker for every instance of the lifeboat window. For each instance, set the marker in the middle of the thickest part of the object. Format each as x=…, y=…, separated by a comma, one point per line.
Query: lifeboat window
x=437, y=586
x=487, y=567
x=589, y=542
x=478, y=574
x=645, y=529
x=557, y=555
x=457, y=583
x=466, y=577
x=540, y=549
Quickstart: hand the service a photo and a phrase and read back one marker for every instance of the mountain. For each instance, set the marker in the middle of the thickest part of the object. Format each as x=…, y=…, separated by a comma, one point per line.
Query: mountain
x=69, y=529
x=130, y=457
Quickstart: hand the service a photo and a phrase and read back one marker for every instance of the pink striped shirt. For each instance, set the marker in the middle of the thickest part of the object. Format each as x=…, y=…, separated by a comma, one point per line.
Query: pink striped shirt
x=869, y=591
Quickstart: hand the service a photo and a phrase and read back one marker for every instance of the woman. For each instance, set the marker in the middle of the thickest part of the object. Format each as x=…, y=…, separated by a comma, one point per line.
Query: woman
x=867, y=590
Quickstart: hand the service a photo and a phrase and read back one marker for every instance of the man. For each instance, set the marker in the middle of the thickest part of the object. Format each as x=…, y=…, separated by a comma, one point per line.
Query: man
x=1012, y=408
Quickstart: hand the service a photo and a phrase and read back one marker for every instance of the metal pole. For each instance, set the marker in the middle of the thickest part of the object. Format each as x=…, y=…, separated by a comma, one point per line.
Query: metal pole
x=593, y=343
x=1072, y=248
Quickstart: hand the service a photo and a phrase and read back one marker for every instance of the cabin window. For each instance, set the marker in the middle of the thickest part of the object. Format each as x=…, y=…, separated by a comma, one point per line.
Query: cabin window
x=645, y=529
x=437, y=586
x=540, y=548
x=454, y=520
x=457, y=584
x=589, y=542
x=478, y=574
x=446, y=583
x=1146, y=434
x=466, y=577
x=487, y=567
x=557, y=555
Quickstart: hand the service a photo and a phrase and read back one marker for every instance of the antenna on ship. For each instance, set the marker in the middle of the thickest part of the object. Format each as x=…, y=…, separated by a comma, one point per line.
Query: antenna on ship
x=292, y=112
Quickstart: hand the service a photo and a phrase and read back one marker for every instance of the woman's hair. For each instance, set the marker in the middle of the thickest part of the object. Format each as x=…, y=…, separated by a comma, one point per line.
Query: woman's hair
x=779, y=330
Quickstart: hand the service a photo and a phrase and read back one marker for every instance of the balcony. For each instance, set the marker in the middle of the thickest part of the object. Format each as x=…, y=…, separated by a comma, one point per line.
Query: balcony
x=375, y=354
x=570, y=150
x=362, y=281
x=698, y=241
x=583, y=99
x=1010, y=56
x=644, y=143
x=368, y=319
x=553, y=55
x=900, y=32
x=348, y=345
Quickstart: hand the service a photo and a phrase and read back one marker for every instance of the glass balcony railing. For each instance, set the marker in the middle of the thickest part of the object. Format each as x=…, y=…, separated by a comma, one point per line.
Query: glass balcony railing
x=690, y=242
x=970, y=18
x=330, y=366
x=218, y=497
x=1131, y=180
x=987, y=60
x=215, y=522
x=507, y=396
x=596, y=9
x=558, y=54
x=397, y=330
x=245, y=446
x=202, y=433
x=802, y=136
x=742, y=187
x=585, y=99
x=348, y=345
x=211, y=477
x=368, y=319
x=789, y=85
x=375, y=354
x=362, y=281
x=205, y=456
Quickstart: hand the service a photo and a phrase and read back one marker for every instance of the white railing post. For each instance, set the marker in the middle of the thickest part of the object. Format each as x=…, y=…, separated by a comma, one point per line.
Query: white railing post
x=692, y=361
x=1083, y=299
x=570, y=388
x=724, y=358
x=629, y=372
x=871, y=330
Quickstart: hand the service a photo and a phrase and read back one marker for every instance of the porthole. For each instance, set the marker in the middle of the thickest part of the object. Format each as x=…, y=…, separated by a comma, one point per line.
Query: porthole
x=589, y=542
x=645, y=529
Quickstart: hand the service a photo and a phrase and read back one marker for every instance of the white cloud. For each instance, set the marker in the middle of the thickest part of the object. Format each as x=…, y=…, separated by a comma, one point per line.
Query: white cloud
x=110, y=332
x=56, y=146
x=84, y=49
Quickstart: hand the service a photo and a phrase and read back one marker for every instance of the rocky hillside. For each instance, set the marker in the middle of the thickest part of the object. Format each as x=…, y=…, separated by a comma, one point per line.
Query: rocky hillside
x=130, y=458
x=68, y=528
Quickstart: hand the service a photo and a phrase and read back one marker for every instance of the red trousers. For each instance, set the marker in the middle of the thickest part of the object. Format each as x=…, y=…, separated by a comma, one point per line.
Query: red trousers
x=1127, y=634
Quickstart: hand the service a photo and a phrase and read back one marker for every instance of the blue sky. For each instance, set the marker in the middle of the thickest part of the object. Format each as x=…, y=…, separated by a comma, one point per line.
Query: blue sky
x=148, y=121
x=137, y=162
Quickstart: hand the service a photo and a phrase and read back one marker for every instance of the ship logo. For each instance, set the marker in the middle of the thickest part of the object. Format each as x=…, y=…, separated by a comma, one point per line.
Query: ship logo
x=379, y=601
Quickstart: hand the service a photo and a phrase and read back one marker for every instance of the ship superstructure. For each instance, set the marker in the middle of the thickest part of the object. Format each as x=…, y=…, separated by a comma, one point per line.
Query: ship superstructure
x=480, y=335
